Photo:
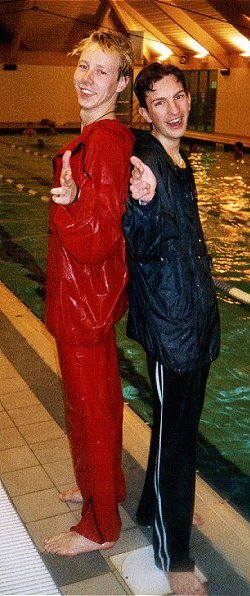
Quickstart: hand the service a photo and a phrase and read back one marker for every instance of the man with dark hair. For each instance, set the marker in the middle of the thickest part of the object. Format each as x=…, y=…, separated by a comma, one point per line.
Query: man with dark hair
x=173, y=314
x=153, y=73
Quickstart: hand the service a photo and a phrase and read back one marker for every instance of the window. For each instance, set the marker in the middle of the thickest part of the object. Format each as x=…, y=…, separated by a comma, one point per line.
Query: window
x=123, y=107
x=202, y=85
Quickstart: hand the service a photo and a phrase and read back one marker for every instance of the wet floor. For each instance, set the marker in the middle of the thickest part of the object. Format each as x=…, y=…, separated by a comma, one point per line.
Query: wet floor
x=223, y=189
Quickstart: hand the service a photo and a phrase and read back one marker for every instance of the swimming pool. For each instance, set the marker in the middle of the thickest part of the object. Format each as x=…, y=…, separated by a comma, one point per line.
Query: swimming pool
x=223, y=189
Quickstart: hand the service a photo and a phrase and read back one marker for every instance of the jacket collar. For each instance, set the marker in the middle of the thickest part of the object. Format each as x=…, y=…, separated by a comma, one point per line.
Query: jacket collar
x=146, y=139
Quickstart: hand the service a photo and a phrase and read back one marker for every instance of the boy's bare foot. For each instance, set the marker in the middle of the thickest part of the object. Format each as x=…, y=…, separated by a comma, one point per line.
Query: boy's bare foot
x=72, y=495
x=185, y=583
x=70, y=544
x=198, y=520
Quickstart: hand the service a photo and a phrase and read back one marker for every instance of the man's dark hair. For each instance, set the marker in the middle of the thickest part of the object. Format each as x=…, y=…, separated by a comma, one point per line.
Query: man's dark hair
x=151, y=73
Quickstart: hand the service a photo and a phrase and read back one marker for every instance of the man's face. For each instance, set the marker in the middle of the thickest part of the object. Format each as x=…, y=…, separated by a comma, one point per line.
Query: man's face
x=167, y=110
x=96, y=78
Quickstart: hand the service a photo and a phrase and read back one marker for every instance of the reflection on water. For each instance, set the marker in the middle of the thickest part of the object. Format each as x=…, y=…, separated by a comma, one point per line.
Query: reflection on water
x=224, y=201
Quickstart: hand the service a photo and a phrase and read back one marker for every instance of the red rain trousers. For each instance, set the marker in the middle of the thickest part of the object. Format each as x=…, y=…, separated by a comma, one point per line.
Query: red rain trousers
x=94, y=409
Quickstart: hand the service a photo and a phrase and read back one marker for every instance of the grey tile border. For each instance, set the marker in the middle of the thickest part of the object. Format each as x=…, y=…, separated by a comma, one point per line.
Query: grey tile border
x=101, y=585
x=127, y=521
x=66, y=570
x=129, y=540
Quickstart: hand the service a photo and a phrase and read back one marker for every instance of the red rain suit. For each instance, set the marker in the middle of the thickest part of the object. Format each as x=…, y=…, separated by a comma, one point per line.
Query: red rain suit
x=85, y=297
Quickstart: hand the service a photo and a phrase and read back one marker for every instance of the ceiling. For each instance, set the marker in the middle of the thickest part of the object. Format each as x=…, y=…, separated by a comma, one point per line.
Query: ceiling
x=218, y=31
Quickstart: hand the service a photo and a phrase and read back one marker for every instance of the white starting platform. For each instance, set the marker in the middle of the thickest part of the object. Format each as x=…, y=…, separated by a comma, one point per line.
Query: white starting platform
x=140, y=573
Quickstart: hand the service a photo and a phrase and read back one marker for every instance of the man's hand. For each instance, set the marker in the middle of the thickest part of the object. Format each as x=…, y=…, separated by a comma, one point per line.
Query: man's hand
x=66, y=193
x=142, y=182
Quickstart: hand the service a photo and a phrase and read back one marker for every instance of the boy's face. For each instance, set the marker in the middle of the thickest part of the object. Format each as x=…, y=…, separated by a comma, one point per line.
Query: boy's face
x=96, y=78
x=168, y=107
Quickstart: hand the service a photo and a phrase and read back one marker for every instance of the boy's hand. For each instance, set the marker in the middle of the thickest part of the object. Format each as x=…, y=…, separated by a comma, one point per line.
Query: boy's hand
x=66, y=193
x=142, y=182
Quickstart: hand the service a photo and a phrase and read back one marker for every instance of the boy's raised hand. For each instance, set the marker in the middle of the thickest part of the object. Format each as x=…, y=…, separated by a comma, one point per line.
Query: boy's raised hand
x=66, y=193
x=142, y=182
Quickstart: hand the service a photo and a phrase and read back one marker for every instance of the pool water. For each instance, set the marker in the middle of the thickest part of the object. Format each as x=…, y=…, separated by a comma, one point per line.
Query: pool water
x=223, y=190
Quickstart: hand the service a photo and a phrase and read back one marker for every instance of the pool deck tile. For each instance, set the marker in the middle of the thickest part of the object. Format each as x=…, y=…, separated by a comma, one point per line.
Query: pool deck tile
x=102, y=585
x=35, y=463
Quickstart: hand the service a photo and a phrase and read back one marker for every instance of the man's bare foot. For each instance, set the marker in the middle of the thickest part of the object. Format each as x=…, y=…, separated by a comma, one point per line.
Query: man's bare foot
x=70, y=544
x=72, y=495
x=186, y=583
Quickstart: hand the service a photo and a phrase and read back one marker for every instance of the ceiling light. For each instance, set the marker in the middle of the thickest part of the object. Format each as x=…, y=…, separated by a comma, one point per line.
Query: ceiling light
x=201, y=54
x=159, y=48
x=163, y=57
x=241, y=43
x=196, y=47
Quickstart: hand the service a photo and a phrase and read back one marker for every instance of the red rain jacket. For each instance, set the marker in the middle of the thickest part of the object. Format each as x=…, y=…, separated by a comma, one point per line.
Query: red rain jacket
x=86, y=265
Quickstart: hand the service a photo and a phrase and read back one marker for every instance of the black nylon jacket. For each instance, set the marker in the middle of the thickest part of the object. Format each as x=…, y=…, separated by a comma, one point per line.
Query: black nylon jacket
x=173, y=310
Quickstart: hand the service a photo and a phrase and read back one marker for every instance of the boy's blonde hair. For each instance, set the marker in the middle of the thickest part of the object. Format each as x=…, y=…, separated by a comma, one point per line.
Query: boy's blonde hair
x=109, y=42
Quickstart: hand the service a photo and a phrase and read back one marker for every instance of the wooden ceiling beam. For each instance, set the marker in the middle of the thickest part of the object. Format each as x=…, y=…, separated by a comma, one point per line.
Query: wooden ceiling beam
x=235, y=13
x=125, y=7
x=100, y=13
x=122, y=16
x=179, y=16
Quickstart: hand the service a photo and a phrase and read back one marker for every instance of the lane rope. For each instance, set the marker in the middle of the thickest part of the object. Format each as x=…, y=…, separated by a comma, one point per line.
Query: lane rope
x=27, y=150
x=231, y=291
x=23, y=188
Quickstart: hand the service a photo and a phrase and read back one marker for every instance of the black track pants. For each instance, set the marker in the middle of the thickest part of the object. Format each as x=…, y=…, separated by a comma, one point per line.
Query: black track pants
x=167, y=500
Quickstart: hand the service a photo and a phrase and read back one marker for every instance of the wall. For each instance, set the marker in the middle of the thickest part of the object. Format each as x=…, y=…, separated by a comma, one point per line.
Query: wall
x=34, y=92
x=232, y=104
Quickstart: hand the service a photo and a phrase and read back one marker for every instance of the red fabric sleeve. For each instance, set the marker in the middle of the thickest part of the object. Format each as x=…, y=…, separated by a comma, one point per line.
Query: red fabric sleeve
x=90, y=228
